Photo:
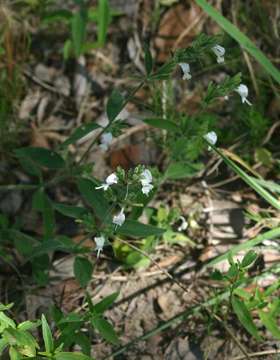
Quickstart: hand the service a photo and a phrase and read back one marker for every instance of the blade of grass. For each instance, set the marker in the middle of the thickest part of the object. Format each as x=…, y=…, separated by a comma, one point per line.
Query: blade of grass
x=271, y=234
x=249, y=179
x=241, y=38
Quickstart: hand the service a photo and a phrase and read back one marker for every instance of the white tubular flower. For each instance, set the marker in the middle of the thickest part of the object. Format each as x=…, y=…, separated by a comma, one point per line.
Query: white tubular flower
x=99, y=241
x=243, y=91
x=110, y=180
x=186, y=71
x=106, y=140
x=211, y=137
x=147, y=188
x=120, y=218
x=146, y=178
x=219, y=51
x=184, y=224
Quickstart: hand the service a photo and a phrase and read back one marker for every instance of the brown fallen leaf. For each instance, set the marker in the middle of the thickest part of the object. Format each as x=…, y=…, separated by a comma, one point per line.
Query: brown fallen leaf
x=173, y=23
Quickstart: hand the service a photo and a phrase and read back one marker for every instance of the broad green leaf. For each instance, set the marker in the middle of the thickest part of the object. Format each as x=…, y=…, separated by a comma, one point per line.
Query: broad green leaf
x=244, y=316
x=79, y=133
x=78, y=29
x=71, y=356
x=29, y=325
x=136, y=229
x=23, y=339
x=269, y=235
x=241, y=38
x=23, y=243
x=270, y=323
x=71, y=211
x=162, y=124
x=6, y=307
x=6, y=321
x=105, y=329
x=249, y=258
x=115, y=105
x=148, y=59
x=71, y=317
x=47, y=335
x=83, y=270
x=84, y=342
x=42, y=203
x=30, y=166
x=181, y=170
x=95, y=198
x=41, y=156
x=104, y=18
x=105, y=303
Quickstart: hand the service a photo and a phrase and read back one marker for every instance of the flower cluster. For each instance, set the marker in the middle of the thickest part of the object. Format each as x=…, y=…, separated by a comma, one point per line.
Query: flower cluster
x=219, y=51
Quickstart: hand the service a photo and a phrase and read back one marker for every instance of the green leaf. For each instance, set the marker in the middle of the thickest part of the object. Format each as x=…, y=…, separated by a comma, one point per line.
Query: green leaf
x=105, y=303
x=6, y=321
x=14, y=354
x=57, y=15
x=115, y=105
x=181, y=170
x=136, y=229
x=3, y=345
x=95, y=198
x=80, y=132
x=78, y=30
x=270, y=323
x=84, y=342
x=42, y=203
x=47, y=335
x=241, y=38
x=23, y=243
x=41, y=156
x=249, y=258
x=30, y=166
x=248, y=179
x=83, y=269
x=148, y=59
x=162, y=124
x=29, y=325
x=244, y=316
x=6, y=307
x=70, y=318
x=23, y=339
x=104, y=18
x=105, y=329
x=71, y=356
x=76, y=212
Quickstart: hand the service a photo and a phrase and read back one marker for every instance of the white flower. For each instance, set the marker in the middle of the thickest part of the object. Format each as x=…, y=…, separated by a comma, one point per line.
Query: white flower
x=120, y=218
x=184, y=224
x=219, y=51
x=110, y=180
x=146, y=178
x=211, y=137
x=99, y=241
x=243, y=91
x=106, y=140
x=147, y=188
x=186, y=71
